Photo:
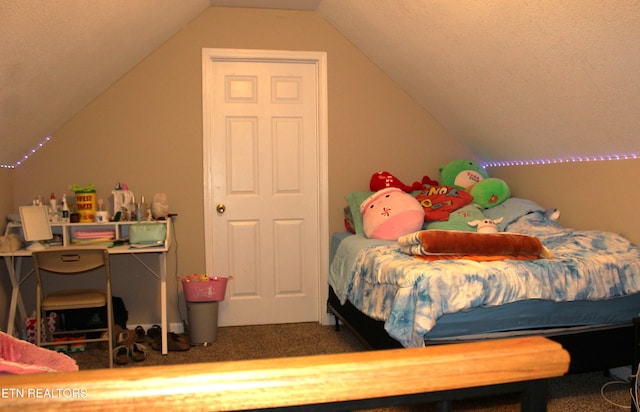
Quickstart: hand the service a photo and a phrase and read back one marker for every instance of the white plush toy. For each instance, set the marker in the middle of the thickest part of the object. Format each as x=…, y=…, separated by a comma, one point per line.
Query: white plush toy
x=10, y=243
x=486, y=225
x=160, y=206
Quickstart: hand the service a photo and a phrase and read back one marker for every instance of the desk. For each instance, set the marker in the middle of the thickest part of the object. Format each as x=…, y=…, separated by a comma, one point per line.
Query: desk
x=13, y=261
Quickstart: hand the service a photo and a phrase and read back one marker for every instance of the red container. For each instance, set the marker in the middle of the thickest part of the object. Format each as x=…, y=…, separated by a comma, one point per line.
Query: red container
x=211, y=290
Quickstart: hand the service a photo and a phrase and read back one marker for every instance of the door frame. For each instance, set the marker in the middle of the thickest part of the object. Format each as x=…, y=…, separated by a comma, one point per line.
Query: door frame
x=319, y=59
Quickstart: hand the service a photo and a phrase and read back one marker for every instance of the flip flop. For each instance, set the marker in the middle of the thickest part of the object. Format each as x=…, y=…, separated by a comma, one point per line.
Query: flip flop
x=138, y=352
x=121, y=355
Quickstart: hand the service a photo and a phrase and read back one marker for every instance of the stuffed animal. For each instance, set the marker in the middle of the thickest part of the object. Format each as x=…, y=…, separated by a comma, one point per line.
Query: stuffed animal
x=383, y=179
x=462, y=174
x=552, y=214
x=390, y=213
x=439, y=201
x=10, y=243
x=490, y=192
x=486, y=225
x=160, y=206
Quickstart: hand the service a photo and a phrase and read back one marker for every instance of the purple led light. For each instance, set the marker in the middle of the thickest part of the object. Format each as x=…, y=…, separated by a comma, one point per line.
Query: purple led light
x=28, y=155
x=568, y=159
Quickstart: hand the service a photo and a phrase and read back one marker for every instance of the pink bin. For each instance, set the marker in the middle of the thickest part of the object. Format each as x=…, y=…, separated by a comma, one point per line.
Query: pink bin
x=211, y=290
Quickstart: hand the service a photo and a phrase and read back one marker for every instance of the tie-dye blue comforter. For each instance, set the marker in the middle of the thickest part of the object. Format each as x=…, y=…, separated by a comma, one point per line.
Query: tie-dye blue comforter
x=411, y=295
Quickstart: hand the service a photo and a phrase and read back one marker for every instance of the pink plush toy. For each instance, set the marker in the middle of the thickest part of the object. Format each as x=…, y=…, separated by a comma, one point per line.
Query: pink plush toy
x=390, y=213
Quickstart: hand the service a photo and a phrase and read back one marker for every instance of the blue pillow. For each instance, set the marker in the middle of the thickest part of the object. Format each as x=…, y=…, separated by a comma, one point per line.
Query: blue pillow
x=511, y=210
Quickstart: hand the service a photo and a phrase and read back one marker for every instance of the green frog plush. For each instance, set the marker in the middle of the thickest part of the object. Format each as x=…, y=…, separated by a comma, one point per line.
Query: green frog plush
x=462, y=174
x=470, y=176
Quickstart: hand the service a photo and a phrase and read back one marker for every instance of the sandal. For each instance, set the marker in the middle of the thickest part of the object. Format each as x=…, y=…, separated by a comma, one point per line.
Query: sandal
x=140, y=334
x=154, y=332
x=121, y=355
x=138, y=352
x=175, y=342
x=125, y=338
x=155, y=337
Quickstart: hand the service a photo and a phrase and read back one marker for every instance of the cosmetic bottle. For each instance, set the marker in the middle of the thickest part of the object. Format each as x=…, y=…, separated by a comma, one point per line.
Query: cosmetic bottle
x=65, y=209
x=53, y=205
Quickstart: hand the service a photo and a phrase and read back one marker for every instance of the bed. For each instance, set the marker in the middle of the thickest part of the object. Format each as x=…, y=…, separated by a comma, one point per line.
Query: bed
x=585, y=296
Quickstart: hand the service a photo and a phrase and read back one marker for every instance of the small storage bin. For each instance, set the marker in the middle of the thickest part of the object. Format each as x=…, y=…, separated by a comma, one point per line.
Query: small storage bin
x=211, y=290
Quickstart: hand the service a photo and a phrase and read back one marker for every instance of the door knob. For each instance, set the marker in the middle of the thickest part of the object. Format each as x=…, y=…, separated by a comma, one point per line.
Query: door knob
x=220, y=208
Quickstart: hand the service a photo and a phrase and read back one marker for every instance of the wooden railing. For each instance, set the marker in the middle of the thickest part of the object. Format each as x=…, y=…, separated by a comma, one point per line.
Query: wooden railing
x=292, y=382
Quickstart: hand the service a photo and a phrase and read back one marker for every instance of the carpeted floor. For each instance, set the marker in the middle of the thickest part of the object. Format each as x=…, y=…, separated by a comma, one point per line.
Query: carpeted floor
x=570, y=393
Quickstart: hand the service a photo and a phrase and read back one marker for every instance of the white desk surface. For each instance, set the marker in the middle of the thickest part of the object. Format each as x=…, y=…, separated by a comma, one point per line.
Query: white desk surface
x=113, y=250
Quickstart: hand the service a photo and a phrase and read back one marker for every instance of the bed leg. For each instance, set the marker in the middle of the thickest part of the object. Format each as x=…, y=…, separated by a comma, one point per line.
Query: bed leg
x=534, y=397
x=636, y=361
x=337, y=327
x=444, y=406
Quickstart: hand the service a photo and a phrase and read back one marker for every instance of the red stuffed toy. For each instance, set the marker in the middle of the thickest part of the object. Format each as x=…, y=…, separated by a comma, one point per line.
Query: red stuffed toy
x=382, y=180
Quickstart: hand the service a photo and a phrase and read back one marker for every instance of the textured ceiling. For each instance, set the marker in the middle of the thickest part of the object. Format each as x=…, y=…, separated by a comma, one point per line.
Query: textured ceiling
x=73, y=51
x=514, y=80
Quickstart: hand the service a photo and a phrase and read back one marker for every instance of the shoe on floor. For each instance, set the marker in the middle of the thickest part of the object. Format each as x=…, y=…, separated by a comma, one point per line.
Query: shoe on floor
x=178, y=342
x=138, y=352
x=121, y=355
x=154, y=334
x=141, y=337
x=125, y=338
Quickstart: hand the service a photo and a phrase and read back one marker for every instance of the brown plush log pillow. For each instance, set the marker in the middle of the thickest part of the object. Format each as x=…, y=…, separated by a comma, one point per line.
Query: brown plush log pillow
x=448, y=244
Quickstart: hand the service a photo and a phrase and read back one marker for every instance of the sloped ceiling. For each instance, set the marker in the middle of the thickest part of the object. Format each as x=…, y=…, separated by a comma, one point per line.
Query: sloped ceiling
x=58, y=55
x=513, y=79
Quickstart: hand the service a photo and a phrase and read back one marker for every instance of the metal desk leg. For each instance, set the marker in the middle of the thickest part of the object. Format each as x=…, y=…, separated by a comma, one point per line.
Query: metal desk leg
x=14, y=269
x=162, y=263
x=161, y=275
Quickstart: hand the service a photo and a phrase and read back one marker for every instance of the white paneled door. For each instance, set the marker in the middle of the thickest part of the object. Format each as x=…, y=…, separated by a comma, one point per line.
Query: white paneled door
x=264, y=177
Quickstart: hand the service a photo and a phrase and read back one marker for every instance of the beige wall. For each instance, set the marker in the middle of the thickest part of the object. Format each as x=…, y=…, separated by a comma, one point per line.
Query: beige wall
x=6, y=207
x=589, y=195
x=6, y=186
x=146, y=130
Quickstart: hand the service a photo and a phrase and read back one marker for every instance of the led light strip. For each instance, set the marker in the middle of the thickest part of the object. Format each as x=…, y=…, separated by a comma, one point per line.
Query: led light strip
x=28, y=155
x=569, y=159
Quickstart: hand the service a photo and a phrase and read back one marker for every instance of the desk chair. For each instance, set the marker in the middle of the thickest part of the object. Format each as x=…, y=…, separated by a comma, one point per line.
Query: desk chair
x=66, y=262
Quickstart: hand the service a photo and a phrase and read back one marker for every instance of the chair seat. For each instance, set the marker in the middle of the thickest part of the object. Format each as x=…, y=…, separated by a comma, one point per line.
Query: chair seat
x=74, y=299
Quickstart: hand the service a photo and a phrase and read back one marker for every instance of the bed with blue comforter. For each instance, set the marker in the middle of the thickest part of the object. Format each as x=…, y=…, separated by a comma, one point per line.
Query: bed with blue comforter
x=591, y=282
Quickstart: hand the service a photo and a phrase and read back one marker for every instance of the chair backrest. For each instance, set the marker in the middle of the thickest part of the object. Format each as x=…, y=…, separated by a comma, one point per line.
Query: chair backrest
x=71, y=261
